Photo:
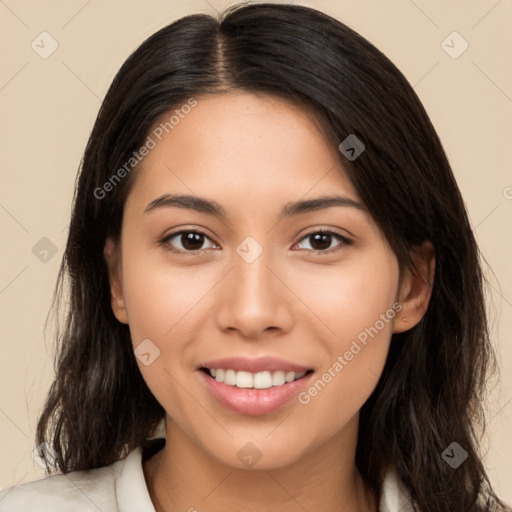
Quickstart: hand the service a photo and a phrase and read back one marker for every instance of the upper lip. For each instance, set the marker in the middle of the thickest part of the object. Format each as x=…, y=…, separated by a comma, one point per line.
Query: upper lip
x=260, y=364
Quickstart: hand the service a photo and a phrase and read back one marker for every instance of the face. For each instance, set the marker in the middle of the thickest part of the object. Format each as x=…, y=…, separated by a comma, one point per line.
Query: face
x=248, y=279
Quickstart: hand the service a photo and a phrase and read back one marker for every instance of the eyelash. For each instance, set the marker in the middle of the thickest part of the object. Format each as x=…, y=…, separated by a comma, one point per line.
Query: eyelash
x=345, y=241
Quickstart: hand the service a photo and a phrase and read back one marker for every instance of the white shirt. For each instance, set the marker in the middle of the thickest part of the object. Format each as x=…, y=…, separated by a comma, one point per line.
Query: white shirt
x=121, y=487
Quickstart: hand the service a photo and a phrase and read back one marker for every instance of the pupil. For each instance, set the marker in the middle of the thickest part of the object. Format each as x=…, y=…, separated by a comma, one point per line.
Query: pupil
x=188, y=240
x=319, y=237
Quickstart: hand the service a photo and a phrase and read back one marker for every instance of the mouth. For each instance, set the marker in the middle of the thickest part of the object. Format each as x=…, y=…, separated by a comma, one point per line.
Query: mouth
x=253, y=386
x=259, y=380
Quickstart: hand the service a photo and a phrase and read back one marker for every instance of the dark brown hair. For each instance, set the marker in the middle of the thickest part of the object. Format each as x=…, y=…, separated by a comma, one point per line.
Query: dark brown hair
x=430, y=393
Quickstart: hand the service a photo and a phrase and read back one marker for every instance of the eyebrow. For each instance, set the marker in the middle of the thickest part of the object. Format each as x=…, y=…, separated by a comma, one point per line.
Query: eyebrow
x=210, y=207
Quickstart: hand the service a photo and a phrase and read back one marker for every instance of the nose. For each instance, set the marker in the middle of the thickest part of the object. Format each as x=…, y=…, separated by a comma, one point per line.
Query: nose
x=254, y=300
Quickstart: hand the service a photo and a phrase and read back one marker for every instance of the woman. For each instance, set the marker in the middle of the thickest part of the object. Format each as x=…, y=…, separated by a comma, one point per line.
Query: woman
x=268, y=257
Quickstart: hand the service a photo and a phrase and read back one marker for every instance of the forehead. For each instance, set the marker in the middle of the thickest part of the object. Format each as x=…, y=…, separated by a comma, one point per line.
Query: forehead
x=254, y=149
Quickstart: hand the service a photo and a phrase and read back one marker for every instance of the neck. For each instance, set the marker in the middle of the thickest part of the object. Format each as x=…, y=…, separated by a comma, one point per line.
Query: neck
x=182, y=477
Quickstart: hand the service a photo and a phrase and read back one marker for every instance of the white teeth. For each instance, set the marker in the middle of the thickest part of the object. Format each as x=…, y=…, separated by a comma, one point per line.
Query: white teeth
x=260, y=380
x=278, y=378
x=290, y=376
x=243, y=380
x=230, y=377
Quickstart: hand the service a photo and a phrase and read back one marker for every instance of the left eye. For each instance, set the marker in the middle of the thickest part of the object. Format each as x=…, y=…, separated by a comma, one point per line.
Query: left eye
x=322, y=241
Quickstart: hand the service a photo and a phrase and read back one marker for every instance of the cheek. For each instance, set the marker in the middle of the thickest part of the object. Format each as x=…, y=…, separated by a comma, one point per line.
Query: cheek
x=161, y=297
x=356, y=305
x=160, y=301
x=166, y=305
x=350, y=298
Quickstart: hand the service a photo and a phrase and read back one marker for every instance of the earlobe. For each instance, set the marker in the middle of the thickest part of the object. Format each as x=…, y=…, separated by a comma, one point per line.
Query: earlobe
x=113, y=260
x=416, y=288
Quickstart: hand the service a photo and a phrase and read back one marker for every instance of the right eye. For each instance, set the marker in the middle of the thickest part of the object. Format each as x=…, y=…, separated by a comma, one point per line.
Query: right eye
x=191, y=241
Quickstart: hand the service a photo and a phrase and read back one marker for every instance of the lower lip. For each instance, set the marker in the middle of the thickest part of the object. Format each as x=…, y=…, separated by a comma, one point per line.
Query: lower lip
x=254, y=402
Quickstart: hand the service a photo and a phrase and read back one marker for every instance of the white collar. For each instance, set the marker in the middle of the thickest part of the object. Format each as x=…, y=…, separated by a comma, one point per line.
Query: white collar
x=394, y=496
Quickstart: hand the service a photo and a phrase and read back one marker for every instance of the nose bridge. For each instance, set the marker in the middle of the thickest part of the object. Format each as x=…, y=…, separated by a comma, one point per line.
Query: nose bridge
x=253, y=299
x=252, y=280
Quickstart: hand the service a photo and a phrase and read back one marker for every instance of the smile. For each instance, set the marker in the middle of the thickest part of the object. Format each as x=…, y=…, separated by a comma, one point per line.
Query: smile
x=253, y=386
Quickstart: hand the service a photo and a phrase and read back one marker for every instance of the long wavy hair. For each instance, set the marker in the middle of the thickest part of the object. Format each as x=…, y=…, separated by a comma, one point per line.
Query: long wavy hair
x=430, y=393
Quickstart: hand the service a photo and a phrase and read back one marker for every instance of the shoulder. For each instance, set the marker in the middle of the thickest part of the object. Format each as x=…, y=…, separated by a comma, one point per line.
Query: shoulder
x=80, y=491
x=77, y=491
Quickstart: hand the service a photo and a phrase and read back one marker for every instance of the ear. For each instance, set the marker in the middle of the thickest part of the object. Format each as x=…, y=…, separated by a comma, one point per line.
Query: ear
x=111, y=253
x=416, y=288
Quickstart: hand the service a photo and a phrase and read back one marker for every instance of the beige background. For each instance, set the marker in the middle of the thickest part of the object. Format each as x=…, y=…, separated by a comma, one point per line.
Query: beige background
x=48, y=107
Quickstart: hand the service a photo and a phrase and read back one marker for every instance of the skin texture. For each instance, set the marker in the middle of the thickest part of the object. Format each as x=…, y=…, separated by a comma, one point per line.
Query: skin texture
x=253, y=154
